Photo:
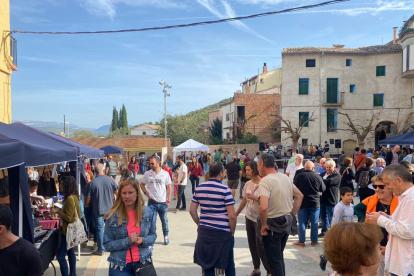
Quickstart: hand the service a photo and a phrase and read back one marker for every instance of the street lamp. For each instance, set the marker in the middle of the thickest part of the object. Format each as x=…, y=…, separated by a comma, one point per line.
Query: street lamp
x=68, y=128
x=166, y=86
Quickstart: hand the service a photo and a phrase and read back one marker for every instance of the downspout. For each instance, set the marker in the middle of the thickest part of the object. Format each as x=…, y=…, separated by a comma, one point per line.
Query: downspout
x=320, y=99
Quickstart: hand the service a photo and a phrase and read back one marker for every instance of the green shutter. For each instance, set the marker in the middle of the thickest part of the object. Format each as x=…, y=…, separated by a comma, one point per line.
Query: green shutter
x=303, y=117
x=330, y=120
x=332, y=91
x=378, y=99
x=380, y=71
x=303, y=86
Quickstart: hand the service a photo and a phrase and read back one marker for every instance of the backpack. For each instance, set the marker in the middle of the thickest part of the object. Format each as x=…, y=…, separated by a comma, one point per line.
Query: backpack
x=363, y=179
x=205, y=158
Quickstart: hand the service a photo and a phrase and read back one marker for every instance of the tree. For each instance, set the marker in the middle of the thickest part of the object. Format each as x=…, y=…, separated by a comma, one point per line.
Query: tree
x=293, y=130
x=180, y=129
x=123, y=120
x=360, y=127
x=114, y=123
x=83, y=133
x=119, y=132
x=249, y=138
x=216, y=129
x=406, y=124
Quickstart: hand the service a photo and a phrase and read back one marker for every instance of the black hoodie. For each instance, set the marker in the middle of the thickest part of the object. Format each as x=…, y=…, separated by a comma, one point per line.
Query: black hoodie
x=331, y=195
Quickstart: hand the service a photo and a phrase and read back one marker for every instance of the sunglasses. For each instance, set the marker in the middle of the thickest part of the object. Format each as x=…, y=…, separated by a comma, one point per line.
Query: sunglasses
x=381, y=187
x=152, y=164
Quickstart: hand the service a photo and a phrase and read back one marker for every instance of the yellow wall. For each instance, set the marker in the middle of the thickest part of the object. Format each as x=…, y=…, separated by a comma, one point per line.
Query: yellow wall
x=5, y=69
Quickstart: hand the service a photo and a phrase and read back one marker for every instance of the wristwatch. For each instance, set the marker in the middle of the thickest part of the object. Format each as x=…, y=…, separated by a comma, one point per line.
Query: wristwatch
x=146, y=192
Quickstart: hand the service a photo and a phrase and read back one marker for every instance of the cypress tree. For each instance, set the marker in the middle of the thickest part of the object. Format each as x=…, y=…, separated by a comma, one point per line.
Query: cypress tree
x=123, y=120
x=114, y=123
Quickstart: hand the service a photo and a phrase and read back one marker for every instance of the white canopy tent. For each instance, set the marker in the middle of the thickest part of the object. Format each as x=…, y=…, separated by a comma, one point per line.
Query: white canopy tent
x=189, y=145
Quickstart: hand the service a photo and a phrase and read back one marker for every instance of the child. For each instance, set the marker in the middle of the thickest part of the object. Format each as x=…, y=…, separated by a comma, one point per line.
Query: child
x=175, y=179
x=344, y=210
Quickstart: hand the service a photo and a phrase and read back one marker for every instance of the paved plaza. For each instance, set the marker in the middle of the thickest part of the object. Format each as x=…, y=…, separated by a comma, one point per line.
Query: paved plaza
x=177, y=257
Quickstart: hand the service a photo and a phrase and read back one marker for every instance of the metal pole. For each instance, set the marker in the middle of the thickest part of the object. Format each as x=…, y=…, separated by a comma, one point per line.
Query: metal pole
x=165, y=115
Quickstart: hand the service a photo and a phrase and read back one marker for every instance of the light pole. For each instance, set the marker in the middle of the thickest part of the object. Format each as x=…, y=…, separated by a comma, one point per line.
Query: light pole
x=68, y=128
x=166, y=86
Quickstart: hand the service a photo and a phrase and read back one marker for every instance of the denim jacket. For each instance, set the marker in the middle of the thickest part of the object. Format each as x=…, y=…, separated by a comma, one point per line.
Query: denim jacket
x=116, y=239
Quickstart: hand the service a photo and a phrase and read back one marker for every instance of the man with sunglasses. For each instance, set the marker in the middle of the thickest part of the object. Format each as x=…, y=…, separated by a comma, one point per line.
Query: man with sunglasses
x=399, y=258
x=156, y=185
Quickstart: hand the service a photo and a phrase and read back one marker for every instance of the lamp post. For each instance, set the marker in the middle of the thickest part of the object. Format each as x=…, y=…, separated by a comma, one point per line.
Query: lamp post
x=68, y=128
x=166, y=86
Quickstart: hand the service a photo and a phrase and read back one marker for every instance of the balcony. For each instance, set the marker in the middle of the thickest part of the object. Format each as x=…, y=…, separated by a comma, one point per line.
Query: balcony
x=13, y=52
x=409, y=74
x=331, y=101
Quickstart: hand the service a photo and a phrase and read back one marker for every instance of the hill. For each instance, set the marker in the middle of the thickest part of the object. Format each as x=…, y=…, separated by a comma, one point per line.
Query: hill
x=202, y=113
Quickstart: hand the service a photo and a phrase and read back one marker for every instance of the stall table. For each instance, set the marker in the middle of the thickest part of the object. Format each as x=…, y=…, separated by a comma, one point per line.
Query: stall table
x=49, y=249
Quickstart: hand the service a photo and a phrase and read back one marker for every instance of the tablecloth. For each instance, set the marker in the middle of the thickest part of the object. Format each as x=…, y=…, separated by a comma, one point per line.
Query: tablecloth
x=48, y=224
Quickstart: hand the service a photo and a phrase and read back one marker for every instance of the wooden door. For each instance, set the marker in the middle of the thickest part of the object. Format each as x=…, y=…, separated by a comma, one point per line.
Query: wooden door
x=349, y=147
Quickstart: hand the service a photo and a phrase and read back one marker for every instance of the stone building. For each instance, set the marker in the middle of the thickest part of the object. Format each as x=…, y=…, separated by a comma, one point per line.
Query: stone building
x=356, y=81
x=145, y=130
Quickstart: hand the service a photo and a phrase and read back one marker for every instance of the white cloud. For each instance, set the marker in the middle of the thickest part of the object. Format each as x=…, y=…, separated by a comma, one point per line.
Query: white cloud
x=108, y=7
x=230, y=13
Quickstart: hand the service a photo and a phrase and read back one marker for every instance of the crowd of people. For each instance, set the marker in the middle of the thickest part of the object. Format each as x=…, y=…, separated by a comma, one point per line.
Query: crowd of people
x=276, y=205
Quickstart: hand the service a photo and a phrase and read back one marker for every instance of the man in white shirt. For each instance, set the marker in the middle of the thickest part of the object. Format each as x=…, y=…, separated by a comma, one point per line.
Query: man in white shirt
x=292, y=168
x=182, y=183
x=399, y=256
x=158, y=191
x=257, y=157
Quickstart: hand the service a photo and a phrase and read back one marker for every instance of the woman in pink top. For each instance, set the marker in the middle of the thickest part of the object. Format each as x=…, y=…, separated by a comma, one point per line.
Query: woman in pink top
x=130, y=231
x=250, y=198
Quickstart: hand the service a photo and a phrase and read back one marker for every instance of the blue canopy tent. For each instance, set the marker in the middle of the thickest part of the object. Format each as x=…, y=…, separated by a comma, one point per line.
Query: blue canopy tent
x=82, y=151
x=403, y=139
x=112, y=150
x=36, y=150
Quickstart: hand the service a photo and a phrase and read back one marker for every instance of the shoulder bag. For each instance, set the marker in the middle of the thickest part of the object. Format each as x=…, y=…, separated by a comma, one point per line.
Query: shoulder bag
x=344, y=172
x=142, y=269
x=75, y=233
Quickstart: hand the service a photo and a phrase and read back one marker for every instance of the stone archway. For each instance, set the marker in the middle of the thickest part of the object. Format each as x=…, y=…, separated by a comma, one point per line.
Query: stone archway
x=384, y=130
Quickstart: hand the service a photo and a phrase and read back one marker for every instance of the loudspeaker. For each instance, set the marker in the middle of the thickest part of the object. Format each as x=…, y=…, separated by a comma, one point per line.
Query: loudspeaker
x=262, y=146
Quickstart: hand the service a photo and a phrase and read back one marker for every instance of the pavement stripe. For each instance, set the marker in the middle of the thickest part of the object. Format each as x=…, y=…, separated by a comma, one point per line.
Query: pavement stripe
x=92, y=265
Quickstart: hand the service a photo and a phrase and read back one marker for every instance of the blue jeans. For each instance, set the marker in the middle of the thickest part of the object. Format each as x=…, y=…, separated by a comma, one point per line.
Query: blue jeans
x=90, y=225
x=99, y=233
x=314, y=218
x=206, y=168
x=326, y=216
x=61, y=257
x=142, y=169
x=231, y=268
x=134, y=175
x=161, y=209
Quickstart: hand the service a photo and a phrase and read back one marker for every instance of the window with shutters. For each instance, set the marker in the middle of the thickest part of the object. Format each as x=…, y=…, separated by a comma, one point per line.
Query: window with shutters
x=349, y=62
x=227, y=117
x=332, y=91
x=304, y=142
x=408, y=58
x=303, y=86
x=332, y=120
x=310, y=63
x=378, y=99
x=380, y=71
x=352, y=88
x=303, y=117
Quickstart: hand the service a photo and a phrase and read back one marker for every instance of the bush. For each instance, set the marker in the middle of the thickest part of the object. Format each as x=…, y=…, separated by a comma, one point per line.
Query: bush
x=249, y=138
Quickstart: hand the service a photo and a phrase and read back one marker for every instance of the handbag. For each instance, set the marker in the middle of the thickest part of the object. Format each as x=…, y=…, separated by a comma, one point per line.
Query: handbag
x=75, y=233
x=142, y=269
x=344, y=172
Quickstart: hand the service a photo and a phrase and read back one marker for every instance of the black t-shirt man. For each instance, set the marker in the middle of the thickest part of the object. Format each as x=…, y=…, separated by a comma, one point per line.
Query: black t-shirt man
x=21, y=258
x=386, y=209
x=233, y=170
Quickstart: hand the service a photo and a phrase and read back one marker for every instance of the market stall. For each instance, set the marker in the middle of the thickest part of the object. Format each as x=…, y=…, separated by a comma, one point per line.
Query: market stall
x=189, y=146
x=403, y=139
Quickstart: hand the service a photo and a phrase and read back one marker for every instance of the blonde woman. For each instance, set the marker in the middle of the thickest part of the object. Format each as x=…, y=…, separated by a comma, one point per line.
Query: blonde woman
x=130, y=231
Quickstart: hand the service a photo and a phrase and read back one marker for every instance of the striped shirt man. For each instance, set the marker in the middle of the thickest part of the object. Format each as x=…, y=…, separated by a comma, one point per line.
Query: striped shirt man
x=213, y=197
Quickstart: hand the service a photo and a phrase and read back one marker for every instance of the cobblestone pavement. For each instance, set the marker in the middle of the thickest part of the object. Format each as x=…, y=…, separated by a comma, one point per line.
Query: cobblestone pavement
x=177, y=257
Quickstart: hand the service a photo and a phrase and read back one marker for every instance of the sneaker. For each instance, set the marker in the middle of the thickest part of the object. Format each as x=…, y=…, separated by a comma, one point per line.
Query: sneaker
x=97, y=253
x=321, y=235
x=322, y=263
x=95, y=246
x=177, y=210
x=166, y=240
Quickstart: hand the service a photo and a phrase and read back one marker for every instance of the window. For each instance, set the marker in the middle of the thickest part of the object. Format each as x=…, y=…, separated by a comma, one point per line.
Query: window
x=332, y=120
x=310, y=63
x=349, y=62
x=144, y=133
x=352, y=88
x=332, y=91
x=378, y=99
x=228, y=135
x=303, y=86
x=408, y=58
x=228, y=117
x=304, y=142
x=303, y=117
x=380, y=71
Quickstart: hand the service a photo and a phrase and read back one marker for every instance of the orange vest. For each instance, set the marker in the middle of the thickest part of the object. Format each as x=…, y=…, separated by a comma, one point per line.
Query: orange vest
x=372, y=201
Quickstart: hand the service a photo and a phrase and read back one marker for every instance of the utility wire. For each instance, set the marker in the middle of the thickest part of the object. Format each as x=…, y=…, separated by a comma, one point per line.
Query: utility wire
x=196, y=23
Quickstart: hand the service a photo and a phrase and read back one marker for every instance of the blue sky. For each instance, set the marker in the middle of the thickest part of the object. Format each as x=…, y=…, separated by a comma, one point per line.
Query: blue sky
x=84, y=76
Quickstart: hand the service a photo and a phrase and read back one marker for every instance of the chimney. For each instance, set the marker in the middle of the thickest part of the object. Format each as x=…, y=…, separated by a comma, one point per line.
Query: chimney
x=395, y=35
x=338, y=46
x=264, y=68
